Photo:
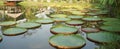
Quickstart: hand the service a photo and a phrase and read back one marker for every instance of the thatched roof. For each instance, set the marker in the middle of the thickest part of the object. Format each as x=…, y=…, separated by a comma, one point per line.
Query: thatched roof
x=14, y=0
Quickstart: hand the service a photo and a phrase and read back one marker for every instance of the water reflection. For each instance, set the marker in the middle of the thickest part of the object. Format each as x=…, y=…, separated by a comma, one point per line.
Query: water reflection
x=34, y=39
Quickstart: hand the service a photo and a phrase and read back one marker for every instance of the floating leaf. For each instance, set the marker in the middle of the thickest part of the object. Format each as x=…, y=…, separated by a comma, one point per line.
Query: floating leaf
x=91, y=19
x=45, y=21
x=103, y=37
x=61, y=19
x=63, y=29
x=75, y=17
x=28, y=25
x=14, y=31
x=90, y=30
x=58, y=15
x=77, y=13
x=92, y=14
x=67, y=41
x=111, y=19
x=0, y=37
x=75, y=22
x=112, y=23
x=7, y=23
x=111, y=28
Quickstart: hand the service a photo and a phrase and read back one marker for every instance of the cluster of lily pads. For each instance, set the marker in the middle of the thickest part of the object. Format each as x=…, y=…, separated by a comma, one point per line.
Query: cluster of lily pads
x=105, y=33
x=17, y=28
x=67, y=35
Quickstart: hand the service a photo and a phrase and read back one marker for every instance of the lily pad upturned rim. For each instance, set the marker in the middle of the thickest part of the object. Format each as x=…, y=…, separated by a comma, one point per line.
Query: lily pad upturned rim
x=74, y=24
x=112, y=23
x=52, y=30
x=45, y=21
x=7, y=23
x=0, y=38
x=78, y=40
x=103, y=37
x=58, y=15
x=110, y=19
x=92, y=19
x=75, y=17
x=77, y=13
x=61, y=19
x=90, y=30
x=92, y=14
x=27, y=25
x=111, y=28
x=14, y=31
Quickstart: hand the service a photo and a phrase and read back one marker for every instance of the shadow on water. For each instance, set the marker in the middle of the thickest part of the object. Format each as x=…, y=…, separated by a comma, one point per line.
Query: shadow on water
x=34, y=39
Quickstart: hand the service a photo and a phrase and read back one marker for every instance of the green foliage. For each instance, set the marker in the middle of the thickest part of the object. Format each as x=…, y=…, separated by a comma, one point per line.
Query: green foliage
x=1, y=3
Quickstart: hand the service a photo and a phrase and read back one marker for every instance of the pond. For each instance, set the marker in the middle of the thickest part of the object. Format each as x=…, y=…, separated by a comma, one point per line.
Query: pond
x=40, y=31
x=34, y=39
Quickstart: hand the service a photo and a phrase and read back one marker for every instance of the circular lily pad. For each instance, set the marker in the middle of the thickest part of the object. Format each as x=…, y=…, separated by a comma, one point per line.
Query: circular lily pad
x=111, y=19
x=67, y=41
x=68, y=9
x=91, y=19
x=111, y=28
x=75, y=22
x=61, y=19
x=63, y=30
x=7, y=23
x=92, y=14
x=103, y=37
x=112, y=23
x=14, y=31
x=90, y=30
x=102, y=12
x=75, y=17
x=45, y=21
x=58, y=15
x=28, y=25
x=0, y=37
x=77, y=13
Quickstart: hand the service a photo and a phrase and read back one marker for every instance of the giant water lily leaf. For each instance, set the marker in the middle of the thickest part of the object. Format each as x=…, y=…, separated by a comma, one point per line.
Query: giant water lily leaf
x=75, y=17
x=61, y=19
x=28, y=25
x=63, y=29
x=92, y=19
x=7, y=23
x=69, y=9
x=45, y=21
x=90, y=30
x=58, y=15
x=111, y=28
x=0, y=37
x=111, y=19
x=75, y=22
x=102, y=12
x=14, y=31
x=103, y=37
x=67, y=41
x=92, y=14
x=77, y=13
x=112, y=23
